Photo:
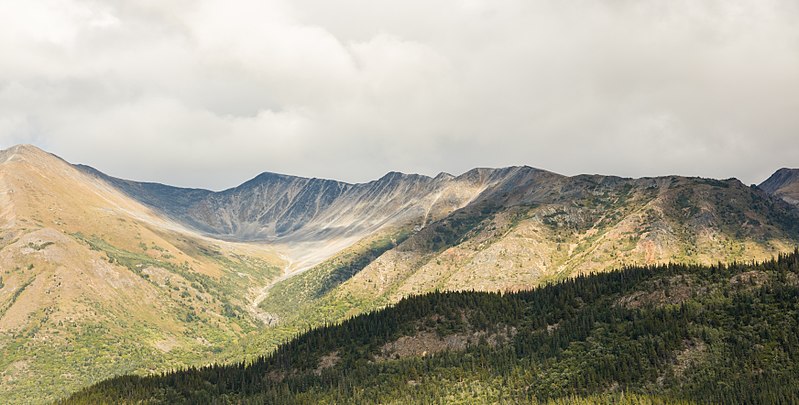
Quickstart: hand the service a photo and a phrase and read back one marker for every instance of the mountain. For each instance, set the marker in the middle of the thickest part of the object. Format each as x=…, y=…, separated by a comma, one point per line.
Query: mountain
x=534, y=228
x=119, y=276
x=784, y=183
x=669, y=334
x=310, y=220
x=355, y=247
x=93, y=283
x=276, y=207
x=269, y=205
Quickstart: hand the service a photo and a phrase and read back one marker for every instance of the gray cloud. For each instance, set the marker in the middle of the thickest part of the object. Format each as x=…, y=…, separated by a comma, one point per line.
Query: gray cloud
x=211, y=92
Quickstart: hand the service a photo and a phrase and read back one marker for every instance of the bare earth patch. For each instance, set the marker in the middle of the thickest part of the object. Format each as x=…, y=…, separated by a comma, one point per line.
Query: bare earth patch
x=166, y=345
x=14, y=371
x=750, y=278
x=327, y=361
x=425, y=343
x=676, y=290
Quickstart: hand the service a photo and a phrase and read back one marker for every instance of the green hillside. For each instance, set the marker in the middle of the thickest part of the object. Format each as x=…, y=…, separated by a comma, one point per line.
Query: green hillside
x=658, y=334
x=507, y=243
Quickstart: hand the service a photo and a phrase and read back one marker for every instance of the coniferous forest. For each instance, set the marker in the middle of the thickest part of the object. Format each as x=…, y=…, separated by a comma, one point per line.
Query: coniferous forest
x=662, y=334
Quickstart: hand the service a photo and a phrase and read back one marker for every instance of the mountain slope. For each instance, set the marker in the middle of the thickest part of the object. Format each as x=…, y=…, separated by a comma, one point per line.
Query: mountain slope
x=666, y=334
x=268, y=206
x=138, y=277
x=537, y=227
x=310, y=220
x=283, y=208
x=784, y=183
x=93, y=284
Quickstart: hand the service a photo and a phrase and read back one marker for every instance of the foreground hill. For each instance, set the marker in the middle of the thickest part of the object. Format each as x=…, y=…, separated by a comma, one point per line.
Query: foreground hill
x=671, y=333
x=93, y=284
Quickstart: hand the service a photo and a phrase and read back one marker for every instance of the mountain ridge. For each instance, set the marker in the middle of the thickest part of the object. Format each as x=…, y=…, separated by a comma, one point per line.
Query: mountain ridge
x=296, y=201
x=78, y=250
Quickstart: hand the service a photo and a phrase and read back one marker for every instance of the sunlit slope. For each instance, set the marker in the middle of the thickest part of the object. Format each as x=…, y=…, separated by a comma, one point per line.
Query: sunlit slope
x=529, y=228
x=536, y=228
x=95, y=284
x=582, y=225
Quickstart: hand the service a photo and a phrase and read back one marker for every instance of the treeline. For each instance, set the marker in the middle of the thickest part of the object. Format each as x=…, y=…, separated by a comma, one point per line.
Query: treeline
x=660, y=334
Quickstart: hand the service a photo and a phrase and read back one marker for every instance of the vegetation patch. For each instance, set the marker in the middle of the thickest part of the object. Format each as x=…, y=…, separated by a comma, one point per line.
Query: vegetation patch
x=597, y=352
x=291, y=299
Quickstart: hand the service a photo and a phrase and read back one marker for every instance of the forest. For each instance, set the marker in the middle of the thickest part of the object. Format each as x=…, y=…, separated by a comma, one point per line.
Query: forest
x=666, y=334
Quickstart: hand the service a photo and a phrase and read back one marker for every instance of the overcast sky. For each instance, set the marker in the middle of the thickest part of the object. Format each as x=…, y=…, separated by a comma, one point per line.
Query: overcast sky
x=209, y=93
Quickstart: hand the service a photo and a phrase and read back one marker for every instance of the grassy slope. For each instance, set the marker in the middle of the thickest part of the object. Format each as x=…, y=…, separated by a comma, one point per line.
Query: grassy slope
x=169, y=315
x=310, y=299
x=662, y=334
x=94, y=284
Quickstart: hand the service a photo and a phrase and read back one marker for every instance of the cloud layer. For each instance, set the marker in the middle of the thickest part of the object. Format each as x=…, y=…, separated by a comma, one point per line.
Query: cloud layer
x=208, y=93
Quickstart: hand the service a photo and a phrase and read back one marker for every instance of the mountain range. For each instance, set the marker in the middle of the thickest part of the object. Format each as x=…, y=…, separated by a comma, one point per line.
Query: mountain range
x=102, y=276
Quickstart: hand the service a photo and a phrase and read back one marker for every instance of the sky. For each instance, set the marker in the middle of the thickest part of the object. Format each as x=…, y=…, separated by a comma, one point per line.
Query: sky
x=209, y=93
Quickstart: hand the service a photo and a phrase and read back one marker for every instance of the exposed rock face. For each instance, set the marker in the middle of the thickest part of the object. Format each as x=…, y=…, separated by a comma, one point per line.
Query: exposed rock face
x=784, y=183
x=270, y=205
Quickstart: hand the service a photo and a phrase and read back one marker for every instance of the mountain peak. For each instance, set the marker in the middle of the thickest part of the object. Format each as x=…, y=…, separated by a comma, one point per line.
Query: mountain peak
x=267, y=177
x=25, y=147
x=783, y=183
x=395, y=175
x=28, y=153
x=779, y=179
x=444, y=176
